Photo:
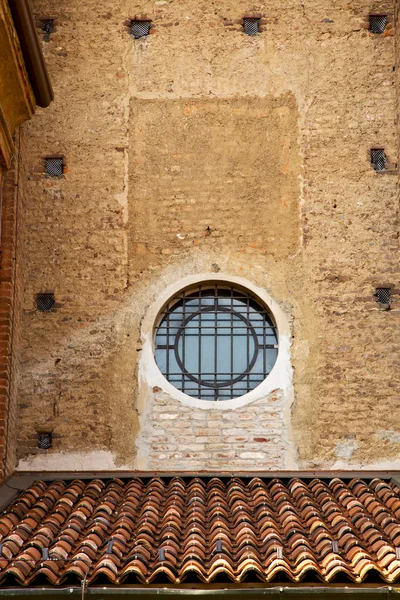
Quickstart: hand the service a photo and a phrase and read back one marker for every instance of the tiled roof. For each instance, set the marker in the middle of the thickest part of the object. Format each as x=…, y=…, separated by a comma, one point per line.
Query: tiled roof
x=202, y=529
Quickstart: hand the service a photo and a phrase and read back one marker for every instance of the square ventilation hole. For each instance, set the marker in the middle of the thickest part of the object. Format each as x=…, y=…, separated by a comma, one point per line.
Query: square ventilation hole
x=378, y=159
x=251, y=26
x=54, y=166
x=140, y=29
x=45, y=302
x=45, y=440
x=377, y=23
x=47, y=26
x=383, y=296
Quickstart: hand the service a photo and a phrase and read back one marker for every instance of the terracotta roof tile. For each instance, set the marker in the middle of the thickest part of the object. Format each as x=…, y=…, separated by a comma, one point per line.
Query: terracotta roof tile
x=175, y=529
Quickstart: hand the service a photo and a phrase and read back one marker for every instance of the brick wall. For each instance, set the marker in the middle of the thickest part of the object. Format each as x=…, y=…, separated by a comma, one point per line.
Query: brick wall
x=202, y=150
x=188, y=438
x=10, y=294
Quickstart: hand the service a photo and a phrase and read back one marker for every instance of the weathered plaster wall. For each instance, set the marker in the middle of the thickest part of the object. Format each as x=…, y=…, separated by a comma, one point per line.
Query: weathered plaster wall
x=225, y=168
x=201, y=150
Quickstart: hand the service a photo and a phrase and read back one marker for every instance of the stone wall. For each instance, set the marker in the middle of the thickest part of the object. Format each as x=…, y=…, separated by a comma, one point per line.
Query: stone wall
x=197, y=150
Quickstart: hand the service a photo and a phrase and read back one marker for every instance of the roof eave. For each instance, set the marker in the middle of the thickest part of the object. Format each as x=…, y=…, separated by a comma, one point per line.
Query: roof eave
x=288, y=592
x=32, y=53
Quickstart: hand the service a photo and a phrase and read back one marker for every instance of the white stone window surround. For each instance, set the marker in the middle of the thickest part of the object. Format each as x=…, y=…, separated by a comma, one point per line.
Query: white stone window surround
x=280, y=377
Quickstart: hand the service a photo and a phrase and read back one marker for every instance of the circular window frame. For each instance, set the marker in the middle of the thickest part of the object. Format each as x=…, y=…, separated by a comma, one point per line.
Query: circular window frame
x=150, y=374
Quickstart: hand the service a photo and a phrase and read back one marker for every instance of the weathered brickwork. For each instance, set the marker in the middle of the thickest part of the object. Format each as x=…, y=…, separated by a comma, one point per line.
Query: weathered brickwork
x=10, y=307
x=196, y=150
x=17, y=103
x=6, y=312
x=195, y=439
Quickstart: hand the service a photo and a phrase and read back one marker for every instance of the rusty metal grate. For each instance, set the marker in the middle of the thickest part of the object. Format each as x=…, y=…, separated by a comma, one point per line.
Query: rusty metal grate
x=383, y=296
x=251, y=26
x=45, y=440
x=378, y=159
x=377, y=23
x=140, y=29
x=54, y=167
x=215, y=343
x=45, y=302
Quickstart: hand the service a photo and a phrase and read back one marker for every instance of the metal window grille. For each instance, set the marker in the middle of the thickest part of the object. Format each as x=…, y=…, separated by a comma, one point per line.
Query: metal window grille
x=140, y=29
x=47, y=26
x=54, y=167
x=378, y=159
x=377, y=23
x=45, y=440
x=383, y=296
x=45, y=302
x=251, y=26
x=215, y=343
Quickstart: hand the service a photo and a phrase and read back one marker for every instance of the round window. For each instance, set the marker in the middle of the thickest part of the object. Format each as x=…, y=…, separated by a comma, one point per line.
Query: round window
x=215, y=342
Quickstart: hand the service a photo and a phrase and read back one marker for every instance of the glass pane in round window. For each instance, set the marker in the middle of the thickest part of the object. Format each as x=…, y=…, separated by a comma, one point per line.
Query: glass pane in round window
x=215, y=343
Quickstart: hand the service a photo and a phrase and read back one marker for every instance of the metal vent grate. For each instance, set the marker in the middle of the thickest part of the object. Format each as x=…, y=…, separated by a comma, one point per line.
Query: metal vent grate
x=377, y=23
x=54, y=167
x=47, y=26
x=383, y=296
x=45, y=302
x=140, y=29
x=45, y=440
x=378, y=159
x=251, y=26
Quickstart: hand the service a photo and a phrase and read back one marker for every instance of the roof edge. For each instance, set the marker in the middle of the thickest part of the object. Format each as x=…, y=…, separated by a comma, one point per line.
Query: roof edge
x=274, y=591
x=32, y=53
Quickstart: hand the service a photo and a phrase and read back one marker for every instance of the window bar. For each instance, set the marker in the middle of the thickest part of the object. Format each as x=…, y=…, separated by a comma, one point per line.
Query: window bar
x=215, y=342
x=265, y=346
x=200, y=336
x=248, y=343
x=232, y=365
x=168, y=339
x=183, y=338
